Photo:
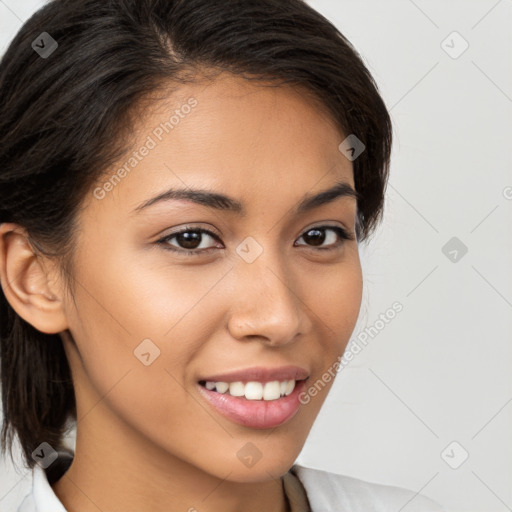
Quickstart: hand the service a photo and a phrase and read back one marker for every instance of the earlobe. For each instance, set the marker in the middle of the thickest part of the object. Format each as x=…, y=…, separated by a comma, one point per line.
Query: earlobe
x=26, y=282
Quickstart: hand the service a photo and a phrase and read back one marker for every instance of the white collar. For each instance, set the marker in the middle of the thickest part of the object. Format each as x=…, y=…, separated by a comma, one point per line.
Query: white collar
x=42, y=498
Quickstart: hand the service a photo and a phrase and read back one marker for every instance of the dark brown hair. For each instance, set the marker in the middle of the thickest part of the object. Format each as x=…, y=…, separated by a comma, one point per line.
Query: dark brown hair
x=66, y=117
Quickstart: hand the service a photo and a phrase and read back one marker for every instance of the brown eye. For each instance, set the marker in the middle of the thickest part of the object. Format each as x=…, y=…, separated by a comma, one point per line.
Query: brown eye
x=189, y=241
x=316, y=236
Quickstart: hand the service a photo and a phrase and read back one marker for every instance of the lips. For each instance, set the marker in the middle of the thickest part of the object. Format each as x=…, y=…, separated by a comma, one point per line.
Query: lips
x=260, y=374
x=256, y=414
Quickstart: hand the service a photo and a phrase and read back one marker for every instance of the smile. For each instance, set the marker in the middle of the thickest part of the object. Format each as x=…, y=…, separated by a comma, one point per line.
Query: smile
x=254, y=412
x=253, y=390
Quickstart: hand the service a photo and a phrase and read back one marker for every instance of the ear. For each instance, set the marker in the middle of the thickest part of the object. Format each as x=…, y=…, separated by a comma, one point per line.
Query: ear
x=26, y=282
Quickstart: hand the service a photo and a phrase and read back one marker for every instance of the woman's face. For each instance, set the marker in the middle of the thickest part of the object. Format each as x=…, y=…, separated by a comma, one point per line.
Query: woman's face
x=261, y=288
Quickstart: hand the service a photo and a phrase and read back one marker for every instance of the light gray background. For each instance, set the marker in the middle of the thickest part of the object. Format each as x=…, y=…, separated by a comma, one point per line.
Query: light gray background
x=440, y=370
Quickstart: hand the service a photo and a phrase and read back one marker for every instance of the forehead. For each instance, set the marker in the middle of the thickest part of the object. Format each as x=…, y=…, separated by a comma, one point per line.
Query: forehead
x=246, y=139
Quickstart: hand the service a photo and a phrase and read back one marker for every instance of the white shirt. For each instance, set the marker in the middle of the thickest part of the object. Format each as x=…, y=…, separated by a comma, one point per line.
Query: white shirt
x=304, y=487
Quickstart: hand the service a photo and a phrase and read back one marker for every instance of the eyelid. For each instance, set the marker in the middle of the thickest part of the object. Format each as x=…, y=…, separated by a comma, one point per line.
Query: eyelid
x=349, y=232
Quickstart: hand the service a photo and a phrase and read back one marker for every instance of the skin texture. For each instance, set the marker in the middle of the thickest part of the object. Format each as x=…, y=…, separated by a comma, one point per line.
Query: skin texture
x=146, y=439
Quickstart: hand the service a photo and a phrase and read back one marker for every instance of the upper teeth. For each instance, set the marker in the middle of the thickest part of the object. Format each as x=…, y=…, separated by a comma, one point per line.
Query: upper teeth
x=254, y=390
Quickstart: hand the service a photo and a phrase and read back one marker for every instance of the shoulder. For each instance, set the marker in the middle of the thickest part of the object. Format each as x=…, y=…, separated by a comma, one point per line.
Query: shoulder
x=327, y=491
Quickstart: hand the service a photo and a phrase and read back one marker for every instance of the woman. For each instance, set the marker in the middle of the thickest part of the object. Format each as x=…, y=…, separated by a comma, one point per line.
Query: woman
x=184, y=186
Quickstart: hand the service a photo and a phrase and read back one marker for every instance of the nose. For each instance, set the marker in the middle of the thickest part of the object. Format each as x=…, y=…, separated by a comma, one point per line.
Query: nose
x=266, y=303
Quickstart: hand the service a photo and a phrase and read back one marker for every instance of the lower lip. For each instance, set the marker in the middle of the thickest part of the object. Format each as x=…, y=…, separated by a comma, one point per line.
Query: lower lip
x=255, y=413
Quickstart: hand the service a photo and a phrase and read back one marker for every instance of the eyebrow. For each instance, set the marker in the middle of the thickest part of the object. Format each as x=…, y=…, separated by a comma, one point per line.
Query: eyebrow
x=226, y=203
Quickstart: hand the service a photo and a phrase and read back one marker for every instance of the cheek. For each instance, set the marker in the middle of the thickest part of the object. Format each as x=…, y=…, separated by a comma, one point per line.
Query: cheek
x=152, y=401
x=334, y=295
x=113, y=382
x=135, y=300
x=336, y=300
x=130, y=314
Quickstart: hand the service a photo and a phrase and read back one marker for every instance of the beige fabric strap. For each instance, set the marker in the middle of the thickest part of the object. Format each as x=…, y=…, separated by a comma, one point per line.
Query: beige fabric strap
x=295, y=493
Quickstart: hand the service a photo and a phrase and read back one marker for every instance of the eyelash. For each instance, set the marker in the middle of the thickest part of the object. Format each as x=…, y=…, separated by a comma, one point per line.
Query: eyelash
x=342, y=233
